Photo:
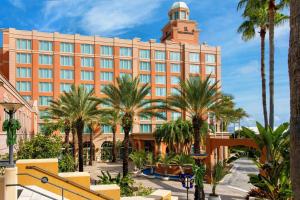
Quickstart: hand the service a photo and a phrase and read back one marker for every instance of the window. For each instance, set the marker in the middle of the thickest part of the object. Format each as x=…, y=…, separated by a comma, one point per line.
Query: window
x=210, y=70
x=23, y=86
x=106, y=63
x=87, y=62
x=23, y=58
x=175, y=79
x=106, y=51
x=125, y=64
x=144, y=54
x=145, y=128
x=210, y=58
x=87, y=48
x=45, y=59
x=102, y=88
x=42, y=114
x=67, y=74
x=144, y=118
x=145, y=66
x=122, y=74
x=212, y=81
x=182, y=15
x=106, y=76
x=23, y=44
x=175, y=68
x=45, y=46
x=45, y=87
x=66, y=47
x=160, y=67
x=160, y=91
x=160, y=79
x=106, y=129
x=66, y=61
x=176, y=15
x=65, y=87
x=175, y=115
x=26, y=97
x=160, y=55
x=23, y=72
x=194, y=57
x=88, y=87
x=45, y=73
x=195, y=69
x=175, y=56
x=164, y=114
x=174, y=91
x=87, y=75
x=145, y=78
x=125, y=51
x=44, y=100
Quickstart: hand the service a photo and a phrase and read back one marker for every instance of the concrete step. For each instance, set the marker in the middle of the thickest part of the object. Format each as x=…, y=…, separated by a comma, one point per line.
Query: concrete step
x=30, y=195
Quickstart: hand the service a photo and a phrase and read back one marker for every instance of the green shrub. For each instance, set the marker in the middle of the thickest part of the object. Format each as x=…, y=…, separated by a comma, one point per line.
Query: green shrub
x=66, y=163
x=138, y=158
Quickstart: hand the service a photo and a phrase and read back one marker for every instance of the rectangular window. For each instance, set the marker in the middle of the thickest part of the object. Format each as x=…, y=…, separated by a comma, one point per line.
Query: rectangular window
x=174, y=91
x=23, y=86
x=194, y=57
x=212, y=81
x=122, y=74
x=125, y=51
x=106, y=129
x=125, y=64
x=144, y=54
x=145, y=128
x=175, y=56
x=23, y=44
x=23, y=72
x=145, y=66
x=86, y=49
x=23, y=58
x=45, y=59
x=87, y=75
x=160, y=55
x=210, y=70
x=45, y=87
x=145, y=78
x=160, y=79
x=87, y=62
x=66, y=47
x=160, y=92
x=106, y=63
x=65, y=87
x=175, y=68
x=106, y=51
x=164, y=114
x=175, y=80
x=160, y=67
x=67, y=74
x=45, y=73
x=45, y=46
x=194, y=69
x=210, y=58
x=44, y=100
x=66, y=61
x=26, y=97
x=88, y=87
x=42, y=114
x=106, y=76
x=175, y=115
x=144, y=118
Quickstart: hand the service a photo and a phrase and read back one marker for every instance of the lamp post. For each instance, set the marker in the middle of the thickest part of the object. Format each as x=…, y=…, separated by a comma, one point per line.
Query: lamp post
x=10, y=109
x=187, y=182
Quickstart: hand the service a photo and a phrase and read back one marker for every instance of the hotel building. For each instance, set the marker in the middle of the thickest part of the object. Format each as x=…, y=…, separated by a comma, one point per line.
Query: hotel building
x=43, y=65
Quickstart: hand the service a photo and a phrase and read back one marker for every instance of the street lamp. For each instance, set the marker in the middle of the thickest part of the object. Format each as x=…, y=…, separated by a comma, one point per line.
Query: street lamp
x=187, y=182
x=10, y=109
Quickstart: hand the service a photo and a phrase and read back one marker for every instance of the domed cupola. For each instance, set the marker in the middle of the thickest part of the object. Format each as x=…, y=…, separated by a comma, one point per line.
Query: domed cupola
x=179, y=11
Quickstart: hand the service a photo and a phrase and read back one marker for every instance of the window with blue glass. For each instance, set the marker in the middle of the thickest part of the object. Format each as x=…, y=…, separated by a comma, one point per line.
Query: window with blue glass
x=106, y=63
x=160, y=67
x=23, y=44
x=45, y=59
x=87, y=75
x=23, y=58
x=43, y=113
x=106, y=76
x=194, y=69
x=88, y=87
x=145, y=78
x=175, y=79
x=44, y=100
x=145, y=118
x=144, y=54
x=126, y=51
x=194, y=57
x=212, y=81
x=45, y=87
x=175, y=115
x=145, y=66
x=106, y=129
x=102, y=86
x=210, y=70
x=65, y=87
x=210, y=58
x=87, y=49
x=66, y=47
x=87, y=62
x=160, y=79
x=145, y=128
x=66, y=61
x=174, y=91
x=164, y=116
x=125, y=64
x=45, y=46
x=123, y=74
x=67, y=74
x=23, y=72
x=106, y=51
x=175, y=56
x=45, y=73
x=27, y=97
x=23, y=86
x=175, y=68
x=160, y=55
x=160, y=91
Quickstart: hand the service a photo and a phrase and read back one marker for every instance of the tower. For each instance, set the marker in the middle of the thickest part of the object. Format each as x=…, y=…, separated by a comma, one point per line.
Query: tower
x=180, y=28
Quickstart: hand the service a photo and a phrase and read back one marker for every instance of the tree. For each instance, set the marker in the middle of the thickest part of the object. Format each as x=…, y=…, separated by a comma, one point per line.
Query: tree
x=94, y=125
x=78, y=106
x=196, y=98
x=294, y=74
x=128, y=96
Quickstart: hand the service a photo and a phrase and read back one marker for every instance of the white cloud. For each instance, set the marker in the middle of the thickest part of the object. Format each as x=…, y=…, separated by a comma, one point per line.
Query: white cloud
x=18, y=4
x=251, y=67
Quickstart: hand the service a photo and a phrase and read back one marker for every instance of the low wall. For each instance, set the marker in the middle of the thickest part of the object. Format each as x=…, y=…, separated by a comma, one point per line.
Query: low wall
x=2, y=187
x=173, y=169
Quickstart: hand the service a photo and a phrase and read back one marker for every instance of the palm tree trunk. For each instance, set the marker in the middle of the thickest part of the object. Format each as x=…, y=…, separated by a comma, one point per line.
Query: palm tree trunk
x=114, y=145
x=91, y=149
x=263, y=74
x=67, y=140
x=271, y=60
x=75, y=144
x=294, y=74
x=79, y=128
x=125, y=152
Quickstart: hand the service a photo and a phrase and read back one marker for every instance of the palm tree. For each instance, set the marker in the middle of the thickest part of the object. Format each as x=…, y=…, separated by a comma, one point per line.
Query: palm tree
x=94, y=125
x=294, y=74
x=77, y=104
x=129, y=98
x=196, y=98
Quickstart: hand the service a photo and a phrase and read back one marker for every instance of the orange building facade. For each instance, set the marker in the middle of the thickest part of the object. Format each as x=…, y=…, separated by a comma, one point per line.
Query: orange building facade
x=43, y=65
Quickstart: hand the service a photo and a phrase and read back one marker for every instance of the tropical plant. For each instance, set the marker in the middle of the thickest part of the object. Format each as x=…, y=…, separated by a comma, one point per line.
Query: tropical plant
x=138, y=158
x=183, y=159
x=196, y=98
x=128, y=96
x=217, y=175
x=165, y=161
x=66, y=163
x=199, y=172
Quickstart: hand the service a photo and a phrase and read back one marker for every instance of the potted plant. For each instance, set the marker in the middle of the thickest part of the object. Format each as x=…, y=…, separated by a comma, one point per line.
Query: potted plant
x=151, y=161
x=139, y=159
x=217, y=175
x=165, y=161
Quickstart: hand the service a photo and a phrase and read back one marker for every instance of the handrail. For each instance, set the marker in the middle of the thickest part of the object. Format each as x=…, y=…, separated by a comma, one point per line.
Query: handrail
x=28, y=188
x=68, y=181
x=62, y=188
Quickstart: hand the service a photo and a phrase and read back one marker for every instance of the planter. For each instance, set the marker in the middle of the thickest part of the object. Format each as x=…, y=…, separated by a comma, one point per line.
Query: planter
x=165, y=178
x=214, y=197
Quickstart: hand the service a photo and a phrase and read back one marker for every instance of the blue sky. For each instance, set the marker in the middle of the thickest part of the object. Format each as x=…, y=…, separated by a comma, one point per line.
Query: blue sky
x=218, y=21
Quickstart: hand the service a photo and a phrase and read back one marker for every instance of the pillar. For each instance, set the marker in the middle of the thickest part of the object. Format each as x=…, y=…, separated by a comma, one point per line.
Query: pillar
x=10, y=178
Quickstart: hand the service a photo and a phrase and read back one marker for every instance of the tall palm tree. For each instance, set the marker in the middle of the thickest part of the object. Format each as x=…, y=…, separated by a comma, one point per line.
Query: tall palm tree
x=196, y=98
x=129, y=98
x=94, y=125
x=294, y=74
x=77, y=104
